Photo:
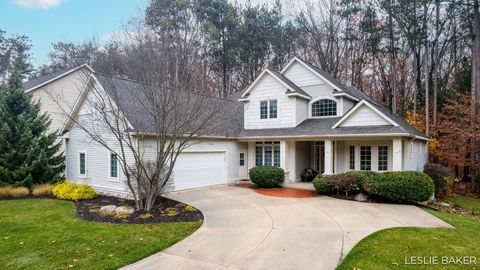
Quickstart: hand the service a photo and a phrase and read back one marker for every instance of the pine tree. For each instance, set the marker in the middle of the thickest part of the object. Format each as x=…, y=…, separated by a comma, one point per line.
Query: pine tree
x=28, y=153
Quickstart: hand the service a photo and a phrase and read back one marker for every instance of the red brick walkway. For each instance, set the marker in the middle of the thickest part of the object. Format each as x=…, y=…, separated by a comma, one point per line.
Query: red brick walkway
x=281, y=192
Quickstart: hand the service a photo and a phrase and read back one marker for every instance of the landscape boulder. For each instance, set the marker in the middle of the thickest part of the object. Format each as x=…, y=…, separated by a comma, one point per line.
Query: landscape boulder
x=108, y=210
x=124, y=210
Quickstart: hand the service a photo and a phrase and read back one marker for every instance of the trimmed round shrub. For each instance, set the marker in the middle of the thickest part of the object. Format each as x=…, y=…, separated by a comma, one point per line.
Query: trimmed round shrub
x=266, y=177
x=364, y=179
x=321, y=185
x=440, y=176
x=402, y=187
x=343, y=183
x=74, y=192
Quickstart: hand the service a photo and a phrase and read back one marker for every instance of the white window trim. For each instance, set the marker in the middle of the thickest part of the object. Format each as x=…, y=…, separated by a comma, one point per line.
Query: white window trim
x=375, y=152
x=310, y=115
x=268, y=108
x=110, y=178
x=272, y=144
x=80, y=175
x=388, y=157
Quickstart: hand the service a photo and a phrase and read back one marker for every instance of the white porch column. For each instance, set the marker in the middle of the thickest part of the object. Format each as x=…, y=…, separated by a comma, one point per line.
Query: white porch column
x=328, y=157
x=250, y=155
x=397, y=158
x=284, y=164
x=283, y=155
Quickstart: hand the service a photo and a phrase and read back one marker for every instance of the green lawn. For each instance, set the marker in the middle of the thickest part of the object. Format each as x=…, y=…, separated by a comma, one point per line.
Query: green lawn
x=387, y=249
x=46, y=234
x=472, y=204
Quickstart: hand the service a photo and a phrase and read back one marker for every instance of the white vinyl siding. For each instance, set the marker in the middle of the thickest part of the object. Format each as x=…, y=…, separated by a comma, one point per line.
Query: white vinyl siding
x=301, y=76
x=415, y=155
x=301, y=110
x=267, y=89
x=364, y=116
x=58, y=98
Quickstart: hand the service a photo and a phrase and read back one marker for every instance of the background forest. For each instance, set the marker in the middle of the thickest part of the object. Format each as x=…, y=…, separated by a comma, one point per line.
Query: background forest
x=419, y=58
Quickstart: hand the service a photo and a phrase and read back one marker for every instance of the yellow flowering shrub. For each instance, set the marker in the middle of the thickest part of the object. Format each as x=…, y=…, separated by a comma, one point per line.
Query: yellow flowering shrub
x=74, y=192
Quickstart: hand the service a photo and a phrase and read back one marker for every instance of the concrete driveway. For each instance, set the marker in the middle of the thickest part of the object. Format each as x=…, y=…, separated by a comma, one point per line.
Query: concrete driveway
x=245, y=230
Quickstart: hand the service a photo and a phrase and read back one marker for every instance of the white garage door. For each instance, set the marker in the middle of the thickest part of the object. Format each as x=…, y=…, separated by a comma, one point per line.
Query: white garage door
x=199, y=169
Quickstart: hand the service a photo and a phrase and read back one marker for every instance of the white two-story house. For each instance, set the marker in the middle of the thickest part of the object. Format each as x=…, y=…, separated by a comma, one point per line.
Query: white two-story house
x=297, y=118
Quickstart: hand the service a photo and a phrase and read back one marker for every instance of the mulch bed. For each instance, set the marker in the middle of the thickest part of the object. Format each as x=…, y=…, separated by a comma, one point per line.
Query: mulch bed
x=280, y=192
x=165, y=210
x=438, y=206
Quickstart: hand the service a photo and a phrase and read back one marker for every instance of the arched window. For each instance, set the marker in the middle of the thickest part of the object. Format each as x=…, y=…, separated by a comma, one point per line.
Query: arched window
x=324, y=107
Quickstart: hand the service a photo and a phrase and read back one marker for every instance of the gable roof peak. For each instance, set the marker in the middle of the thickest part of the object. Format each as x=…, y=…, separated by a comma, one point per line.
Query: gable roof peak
x=35, y=83
x=295, y=90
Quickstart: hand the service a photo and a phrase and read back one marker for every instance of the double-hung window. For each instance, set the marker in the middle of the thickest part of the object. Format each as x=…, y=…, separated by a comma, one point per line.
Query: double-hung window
x=267, y=154
x=268, y=109
x=113, y=165
x=352, y=157
x=365, y=158
x=82, y=164
x=383, y=158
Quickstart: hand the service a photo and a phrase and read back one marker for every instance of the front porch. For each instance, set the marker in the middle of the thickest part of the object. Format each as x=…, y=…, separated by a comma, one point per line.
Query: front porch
x=331, y=156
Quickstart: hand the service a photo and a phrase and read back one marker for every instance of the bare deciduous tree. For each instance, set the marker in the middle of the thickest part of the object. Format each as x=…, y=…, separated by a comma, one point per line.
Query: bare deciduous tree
x=146, y=124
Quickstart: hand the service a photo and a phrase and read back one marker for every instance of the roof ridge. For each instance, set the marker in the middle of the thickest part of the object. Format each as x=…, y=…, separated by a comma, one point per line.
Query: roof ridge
x=34, y=83
x=150, y=84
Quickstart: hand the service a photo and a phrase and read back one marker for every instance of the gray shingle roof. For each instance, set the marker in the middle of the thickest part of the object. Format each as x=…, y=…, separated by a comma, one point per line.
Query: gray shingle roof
x=320, y=127
x=231, y=119
x=43, y=79
x=135, y=107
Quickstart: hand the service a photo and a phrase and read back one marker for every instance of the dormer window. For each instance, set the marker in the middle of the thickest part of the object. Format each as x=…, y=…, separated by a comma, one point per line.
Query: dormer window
x=324, y=107
x=268, y=109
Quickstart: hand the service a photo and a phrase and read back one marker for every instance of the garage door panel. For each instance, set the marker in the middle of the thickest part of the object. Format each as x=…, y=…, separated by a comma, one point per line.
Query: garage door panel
x=199, y=169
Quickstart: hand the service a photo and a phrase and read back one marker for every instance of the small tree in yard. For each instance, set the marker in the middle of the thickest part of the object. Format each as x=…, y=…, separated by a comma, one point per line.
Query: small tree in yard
x=28, y=153
x=170, y=120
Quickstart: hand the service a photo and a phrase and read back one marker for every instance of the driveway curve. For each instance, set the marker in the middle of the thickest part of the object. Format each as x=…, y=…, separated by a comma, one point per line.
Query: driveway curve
x=245, y=230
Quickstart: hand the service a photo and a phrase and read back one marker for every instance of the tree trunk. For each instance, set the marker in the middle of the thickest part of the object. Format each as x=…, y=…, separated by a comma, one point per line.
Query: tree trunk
x=476, y=55
x=436, y=62
x=427, y=94
x=415, y=87
x=392, y=64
